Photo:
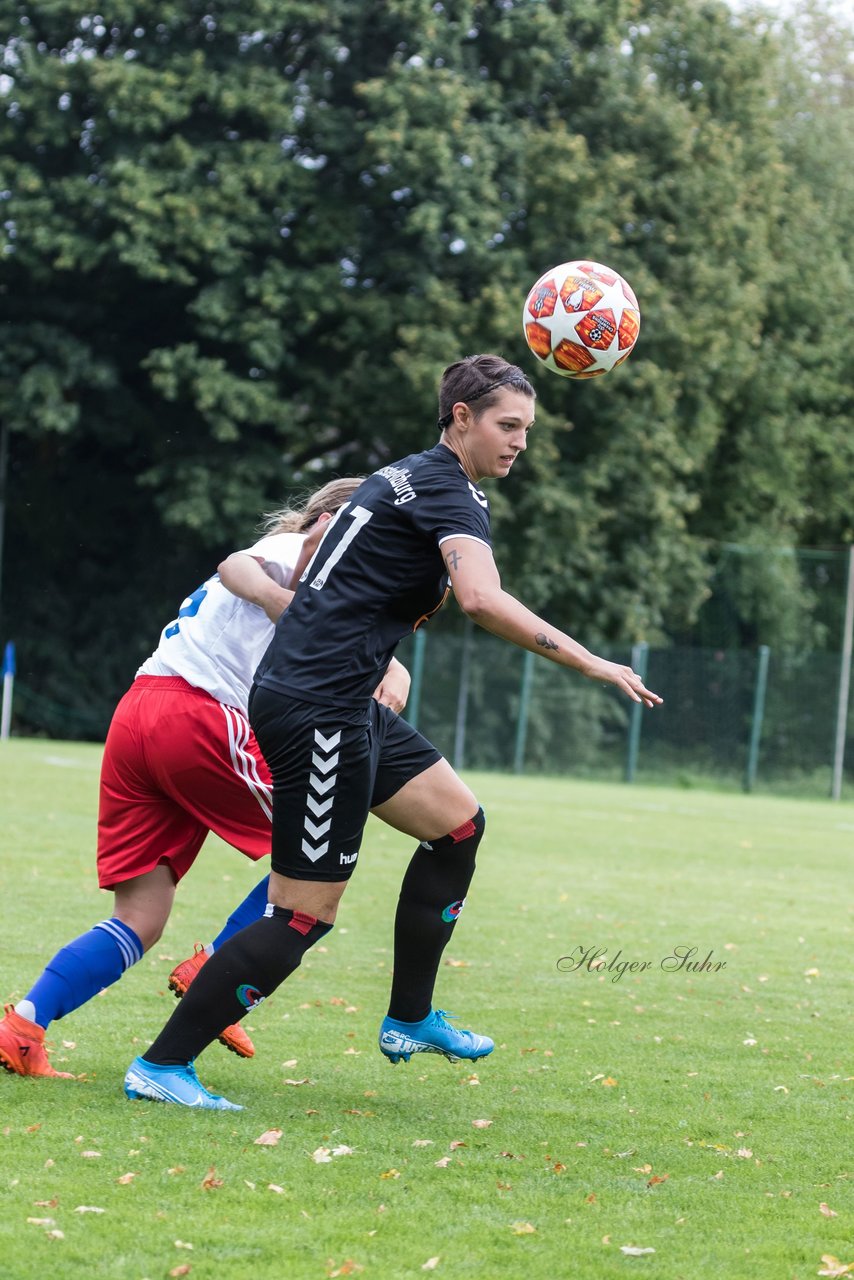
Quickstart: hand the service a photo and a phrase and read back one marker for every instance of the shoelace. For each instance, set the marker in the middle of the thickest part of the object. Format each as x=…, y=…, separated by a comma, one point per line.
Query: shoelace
x=442, y=1015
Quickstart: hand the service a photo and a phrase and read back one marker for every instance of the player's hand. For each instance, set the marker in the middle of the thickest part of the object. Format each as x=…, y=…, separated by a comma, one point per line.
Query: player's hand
x=626, y=680
x=394, y=689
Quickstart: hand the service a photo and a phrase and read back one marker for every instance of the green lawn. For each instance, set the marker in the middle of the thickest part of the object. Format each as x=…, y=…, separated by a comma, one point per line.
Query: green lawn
x=706, y=1116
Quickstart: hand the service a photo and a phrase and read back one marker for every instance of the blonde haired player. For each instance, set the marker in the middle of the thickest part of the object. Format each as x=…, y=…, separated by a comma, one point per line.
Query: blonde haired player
x=180, y=760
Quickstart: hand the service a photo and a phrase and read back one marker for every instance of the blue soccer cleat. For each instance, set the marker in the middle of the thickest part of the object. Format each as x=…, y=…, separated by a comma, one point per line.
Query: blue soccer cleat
x=173, y=1084
x=432, y=1035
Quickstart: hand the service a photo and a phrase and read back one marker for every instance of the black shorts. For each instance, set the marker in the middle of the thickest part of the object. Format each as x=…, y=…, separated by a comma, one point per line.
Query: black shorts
x=330, y=767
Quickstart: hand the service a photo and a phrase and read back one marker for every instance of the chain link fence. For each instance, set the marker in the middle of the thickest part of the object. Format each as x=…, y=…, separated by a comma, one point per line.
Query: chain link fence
x=769, y=717
x=735, y=718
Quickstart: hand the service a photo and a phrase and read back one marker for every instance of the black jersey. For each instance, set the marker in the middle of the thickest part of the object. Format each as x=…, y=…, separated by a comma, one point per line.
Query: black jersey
x=377, y=575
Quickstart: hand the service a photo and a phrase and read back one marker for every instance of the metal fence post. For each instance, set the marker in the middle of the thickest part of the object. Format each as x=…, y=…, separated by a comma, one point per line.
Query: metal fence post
x=524, y=703
x=758, y=714
x=639, y=661
x=844, y=682
x=8, y=688
x=463, y=697
x=413, y=705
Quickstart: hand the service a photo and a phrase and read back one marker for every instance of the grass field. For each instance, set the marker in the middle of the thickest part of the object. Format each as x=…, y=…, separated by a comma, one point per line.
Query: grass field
x=705, y=1116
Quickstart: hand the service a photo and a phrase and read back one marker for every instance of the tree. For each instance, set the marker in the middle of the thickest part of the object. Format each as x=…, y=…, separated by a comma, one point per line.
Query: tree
x=240, y=244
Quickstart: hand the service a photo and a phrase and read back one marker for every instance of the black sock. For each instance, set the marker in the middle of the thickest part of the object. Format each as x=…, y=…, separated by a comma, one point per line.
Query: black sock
x=431, y=897
x=239, y=975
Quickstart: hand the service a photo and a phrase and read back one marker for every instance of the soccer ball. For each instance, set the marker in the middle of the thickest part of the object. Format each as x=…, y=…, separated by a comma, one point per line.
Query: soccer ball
x=581, y=319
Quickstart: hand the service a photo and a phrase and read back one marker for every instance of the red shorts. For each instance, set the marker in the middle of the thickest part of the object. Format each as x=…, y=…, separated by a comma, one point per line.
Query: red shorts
x=178, y=764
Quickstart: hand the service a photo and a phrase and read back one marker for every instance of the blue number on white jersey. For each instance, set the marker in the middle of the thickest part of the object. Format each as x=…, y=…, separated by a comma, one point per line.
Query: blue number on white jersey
x=188, y=609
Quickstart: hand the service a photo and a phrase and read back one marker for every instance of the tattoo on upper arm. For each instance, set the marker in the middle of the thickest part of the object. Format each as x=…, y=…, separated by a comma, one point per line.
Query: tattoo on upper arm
x=545, y=642
x=454, y=558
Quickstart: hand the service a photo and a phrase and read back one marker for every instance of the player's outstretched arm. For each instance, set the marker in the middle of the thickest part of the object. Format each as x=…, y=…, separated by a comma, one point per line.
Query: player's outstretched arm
x=246, y=577
x=477, y=587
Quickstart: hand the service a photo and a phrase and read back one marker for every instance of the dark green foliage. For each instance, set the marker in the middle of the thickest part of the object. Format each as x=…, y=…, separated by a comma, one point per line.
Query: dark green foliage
x=239, y=243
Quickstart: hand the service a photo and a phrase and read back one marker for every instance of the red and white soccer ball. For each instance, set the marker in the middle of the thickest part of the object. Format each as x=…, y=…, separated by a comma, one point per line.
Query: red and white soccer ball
x=581, y=319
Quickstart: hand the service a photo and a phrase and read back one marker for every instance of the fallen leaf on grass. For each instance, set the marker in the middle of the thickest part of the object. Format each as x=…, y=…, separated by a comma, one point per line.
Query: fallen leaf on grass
x=457, y=1142
x=341, y=1150
x=322, y=1156
x=443, y=1163
x=89, y=1208
x=633, y=1251
x=642, y=1168
x=269, y=1138
x=347, y=1268
x=423, y=1142
x=523, y=1228
x=591, y=1199
x=827, y=1211
x=91, y=1155
x=609, y=1082
x=744, y=1153
x=390, y=1173
x=431, y=1264
x=182, y=1244
x=46, y=1204
x=656, y=1178
x=41, y=1222
x=56, y=1234
x=183, y=1270
x=271, y=1186
x=124, y=1179
x=210, y=1181
x=833, y=1267
x=481, y=1124
x=305, y=1079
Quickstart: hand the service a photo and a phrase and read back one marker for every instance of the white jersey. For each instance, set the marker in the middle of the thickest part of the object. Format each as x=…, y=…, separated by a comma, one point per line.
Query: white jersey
x=217, y=640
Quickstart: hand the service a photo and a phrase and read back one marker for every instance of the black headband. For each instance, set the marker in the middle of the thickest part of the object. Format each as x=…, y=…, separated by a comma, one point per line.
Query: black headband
x=447, y=418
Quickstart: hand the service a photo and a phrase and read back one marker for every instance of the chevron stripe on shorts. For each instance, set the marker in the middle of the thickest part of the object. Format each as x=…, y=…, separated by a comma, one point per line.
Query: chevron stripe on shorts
x=321, y=794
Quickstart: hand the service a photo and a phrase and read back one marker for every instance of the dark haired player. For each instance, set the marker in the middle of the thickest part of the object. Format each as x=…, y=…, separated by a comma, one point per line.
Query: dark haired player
x=383, y=568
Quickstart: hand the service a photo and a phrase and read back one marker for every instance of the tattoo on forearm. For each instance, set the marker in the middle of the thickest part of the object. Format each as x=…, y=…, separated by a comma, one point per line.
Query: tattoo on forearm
x=544, y=642
x=454, y=558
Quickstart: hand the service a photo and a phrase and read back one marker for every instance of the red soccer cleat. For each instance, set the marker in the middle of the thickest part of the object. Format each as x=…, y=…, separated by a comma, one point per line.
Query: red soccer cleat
x=22, y=1050
x=233, y=1037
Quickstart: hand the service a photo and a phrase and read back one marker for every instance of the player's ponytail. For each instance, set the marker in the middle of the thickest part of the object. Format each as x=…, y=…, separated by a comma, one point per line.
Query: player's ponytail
x=302, y=515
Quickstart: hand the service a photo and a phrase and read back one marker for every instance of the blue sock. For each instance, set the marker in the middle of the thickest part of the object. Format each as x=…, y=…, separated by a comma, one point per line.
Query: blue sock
x=79, y=971
x=251, y=909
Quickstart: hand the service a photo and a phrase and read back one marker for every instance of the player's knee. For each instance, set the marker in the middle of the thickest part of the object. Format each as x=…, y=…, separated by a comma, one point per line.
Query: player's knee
x=467, y=836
